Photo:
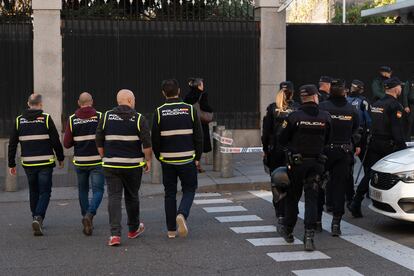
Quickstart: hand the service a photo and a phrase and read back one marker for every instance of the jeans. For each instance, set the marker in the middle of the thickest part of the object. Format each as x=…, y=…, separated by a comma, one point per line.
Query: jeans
x=187, y=173
x=129, y=182
x=94, y=174
x=40, y=188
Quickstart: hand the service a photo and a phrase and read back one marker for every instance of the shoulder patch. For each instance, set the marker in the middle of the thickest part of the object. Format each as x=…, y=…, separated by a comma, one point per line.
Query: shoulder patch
x=399, y=114
x=284, y=124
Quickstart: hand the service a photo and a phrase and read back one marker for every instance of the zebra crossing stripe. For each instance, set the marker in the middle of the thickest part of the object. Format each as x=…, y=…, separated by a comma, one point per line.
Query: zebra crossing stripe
x=211, y=201
x=239, y=218
x=272, y=242
x=337, y=271
x=297, y=256
x=224, y=209
x=254, y=229
x=207, y=195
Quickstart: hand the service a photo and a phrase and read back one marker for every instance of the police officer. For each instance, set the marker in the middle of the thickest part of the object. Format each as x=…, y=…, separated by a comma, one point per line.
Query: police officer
x=377, y=85
x=123, y=140
x=387, y=135
x=408, y=102
x=177, y=139
x=361, y=105
x=345, y=126
x=305, y=134
x=324, y=88
x=39, y=141
x=274, y=156
x=80, y=134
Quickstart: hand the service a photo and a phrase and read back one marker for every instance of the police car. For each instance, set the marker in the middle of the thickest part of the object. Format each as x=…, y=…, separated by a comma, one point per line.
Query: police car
x=392, y=185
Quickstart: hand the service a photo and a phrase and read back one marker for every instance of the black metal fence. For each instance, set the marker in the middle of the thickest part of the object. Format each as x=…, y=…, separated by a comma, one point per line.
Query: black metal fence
x=104, y=55
x=348, y=51
x=16, y=61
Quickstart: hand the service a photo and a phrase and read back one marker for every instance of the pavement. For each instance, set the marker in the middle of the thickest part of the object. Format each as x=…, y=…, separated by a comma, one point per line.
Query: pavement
x=232, y=232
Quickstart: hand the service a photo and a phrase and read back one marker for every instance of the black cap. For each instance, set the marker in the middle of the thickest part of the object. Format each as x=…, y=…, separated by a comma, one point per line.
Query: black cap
x=325, y=79
x=338, y=83
x=286, y=85
x=392, y=82
x=358, y=84
x=308, y=90
x=386, y=69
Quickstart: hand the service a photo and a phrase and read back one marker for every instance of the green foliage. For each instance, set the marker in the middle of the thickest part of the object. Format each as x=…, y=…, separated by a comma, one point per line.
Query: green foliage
x=353, y=13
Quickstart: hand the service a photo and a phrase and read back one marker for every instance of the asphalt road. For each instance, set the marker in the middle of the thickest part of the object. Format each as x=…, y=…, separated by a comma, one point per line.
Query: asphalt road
x=212, y=248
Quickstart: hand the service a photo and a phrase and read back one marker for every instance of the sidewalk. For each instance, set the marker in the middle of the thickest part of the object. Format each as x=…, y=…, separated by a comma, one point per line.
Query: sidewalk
x=248, y=174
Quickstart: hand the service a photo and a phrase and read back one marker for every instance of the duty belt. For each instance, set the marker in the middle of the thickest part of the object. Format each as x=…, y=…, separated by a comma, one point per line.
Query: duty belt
x=345, y=147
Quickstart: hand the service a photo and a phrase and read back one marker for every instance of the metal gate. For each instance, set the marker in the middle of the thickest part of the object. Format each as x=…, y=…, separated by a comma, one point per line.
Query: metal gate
x=110, y=45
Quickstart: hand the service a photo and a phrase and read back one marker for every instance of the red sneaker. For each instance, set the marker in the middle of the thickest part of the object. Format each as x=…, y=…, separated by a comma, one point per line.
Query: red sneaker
x=114, y=241
x=139, y=231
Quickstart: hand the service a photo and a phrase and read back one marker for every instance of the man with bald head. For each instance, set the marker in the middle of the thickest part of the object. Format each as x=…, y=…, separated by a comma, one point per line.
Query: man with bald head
x=124, y=143
x=80, y=134
x=39, y=141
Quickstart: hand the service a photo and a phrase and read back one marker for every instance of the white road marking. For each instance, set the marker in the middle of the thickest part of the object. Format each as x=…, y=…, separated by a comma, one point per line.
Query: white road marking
x=383, y=247
x=337, y=271
x=253, y=229
x=297, y=256
x=207, y=194
x=272, y=242
x=212, y=201
x=224, y=209
x=239, y=218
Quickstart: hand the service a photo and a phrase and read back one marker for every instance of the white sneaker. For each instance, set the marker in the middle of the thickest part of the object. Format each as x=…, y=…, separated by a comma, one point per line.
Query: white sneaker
x=172, y=234
x=182, y=226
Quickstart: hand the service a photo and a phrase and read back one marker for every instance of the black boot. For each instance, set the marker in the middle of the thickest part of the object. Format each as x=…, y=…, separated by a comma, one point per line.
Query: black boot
x=87, y=224
x=355, y=208
x=286, y=233
x=336, y=226
x=37, y=226
x=318, y=228
x=308, y=243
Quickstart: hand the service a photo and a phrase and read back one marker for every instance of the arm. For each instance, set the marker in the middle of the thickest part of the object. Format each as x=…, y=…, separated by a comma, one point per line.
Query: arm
x=356, y=136
x=365, y=111
x=192, y=96
x=156, y=136
x=54, y=139
x=68, y=138
x=13, y=142
x=328, y=133
x=197, y=136
x=145, y=136
x=204, y=103
x=267, y=129
x=397, y=126
x=377, y=89
x=100, y=138
x=286, y=132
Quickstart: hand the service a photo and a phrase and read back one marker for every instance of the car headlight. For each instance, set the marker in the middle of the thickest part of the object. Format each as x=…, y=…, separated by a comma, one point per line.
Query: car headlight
x=407, y=177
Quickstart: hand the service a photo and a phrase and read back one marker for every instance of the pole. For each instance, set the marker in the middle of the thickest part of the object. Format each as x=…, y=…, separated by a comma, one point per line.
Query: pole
x=216, y=148
x=343, y=11
x=227, y=158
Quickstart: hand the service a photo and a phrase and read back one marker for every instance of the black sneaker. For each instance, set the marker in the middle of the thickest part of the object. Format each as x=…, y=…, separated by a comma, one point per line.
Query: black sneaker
x=37, y=225
x=318, y=228
x=87, y=224
x=336, y=227
x=286, y=234
x=355, y=209
x=308, y=242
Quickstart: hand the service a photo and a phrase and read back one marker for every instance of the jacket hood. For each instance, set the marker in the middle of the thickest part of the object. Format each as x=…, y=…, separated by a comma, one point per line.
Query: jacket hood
x=85, y=112
x=32, y=114
x=310, y=108
x=124, y=111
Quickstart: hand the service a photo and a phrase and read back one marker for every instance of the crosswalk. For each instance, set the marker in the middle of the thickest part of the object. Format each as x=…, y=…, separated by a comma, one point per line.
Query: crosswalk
x=273, y=243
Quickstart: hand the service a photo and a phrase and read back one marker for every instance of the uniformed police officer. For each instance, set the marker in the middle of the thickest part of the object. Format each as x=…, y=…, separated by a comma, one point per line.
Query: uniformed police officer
x=39, y=141
x=274, y=155
x=305, y=134
x=387, y=132
x=123, y=140
x=345, y=126
x=377, y=85
x=177, y=138
x=324, y=88
x=361, y=105
x=80, y=134
x=408, y=102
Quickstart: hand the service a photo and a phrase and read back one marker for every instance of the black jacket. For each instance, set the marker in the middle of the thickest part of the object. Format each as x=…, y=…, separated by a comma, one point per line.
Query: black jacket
x=32, y=114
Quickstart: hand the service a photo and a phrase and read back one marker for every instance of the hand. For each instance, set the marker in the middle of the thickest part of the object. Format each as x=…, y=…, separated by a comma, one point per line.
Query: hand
x=61, y=164
x=147, y=167
x=13, y=171
x=407, y=109
x=357, y=151
x=197, y=163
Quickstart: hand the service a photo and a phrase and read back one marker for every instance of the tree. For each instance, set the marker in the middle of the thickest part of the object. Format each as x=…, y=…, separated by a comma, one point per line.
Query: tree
x=353, y=13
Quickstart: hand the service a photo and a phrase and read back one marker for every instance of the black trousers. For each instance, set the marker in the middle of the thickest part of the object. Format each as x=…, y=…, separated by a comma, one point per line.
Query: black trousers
x=275, y=159
x=303, y=178
x=119, y=181
x=187, y=174
x=339, y=166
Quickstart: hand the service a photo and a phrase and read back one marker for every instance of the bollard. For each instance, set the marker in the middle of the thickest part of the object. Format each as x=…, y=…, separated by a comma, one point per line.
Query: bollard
x=227, y=158
x=156, y=171
x=209, y=155
x=216, y=149
x=10, y=184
